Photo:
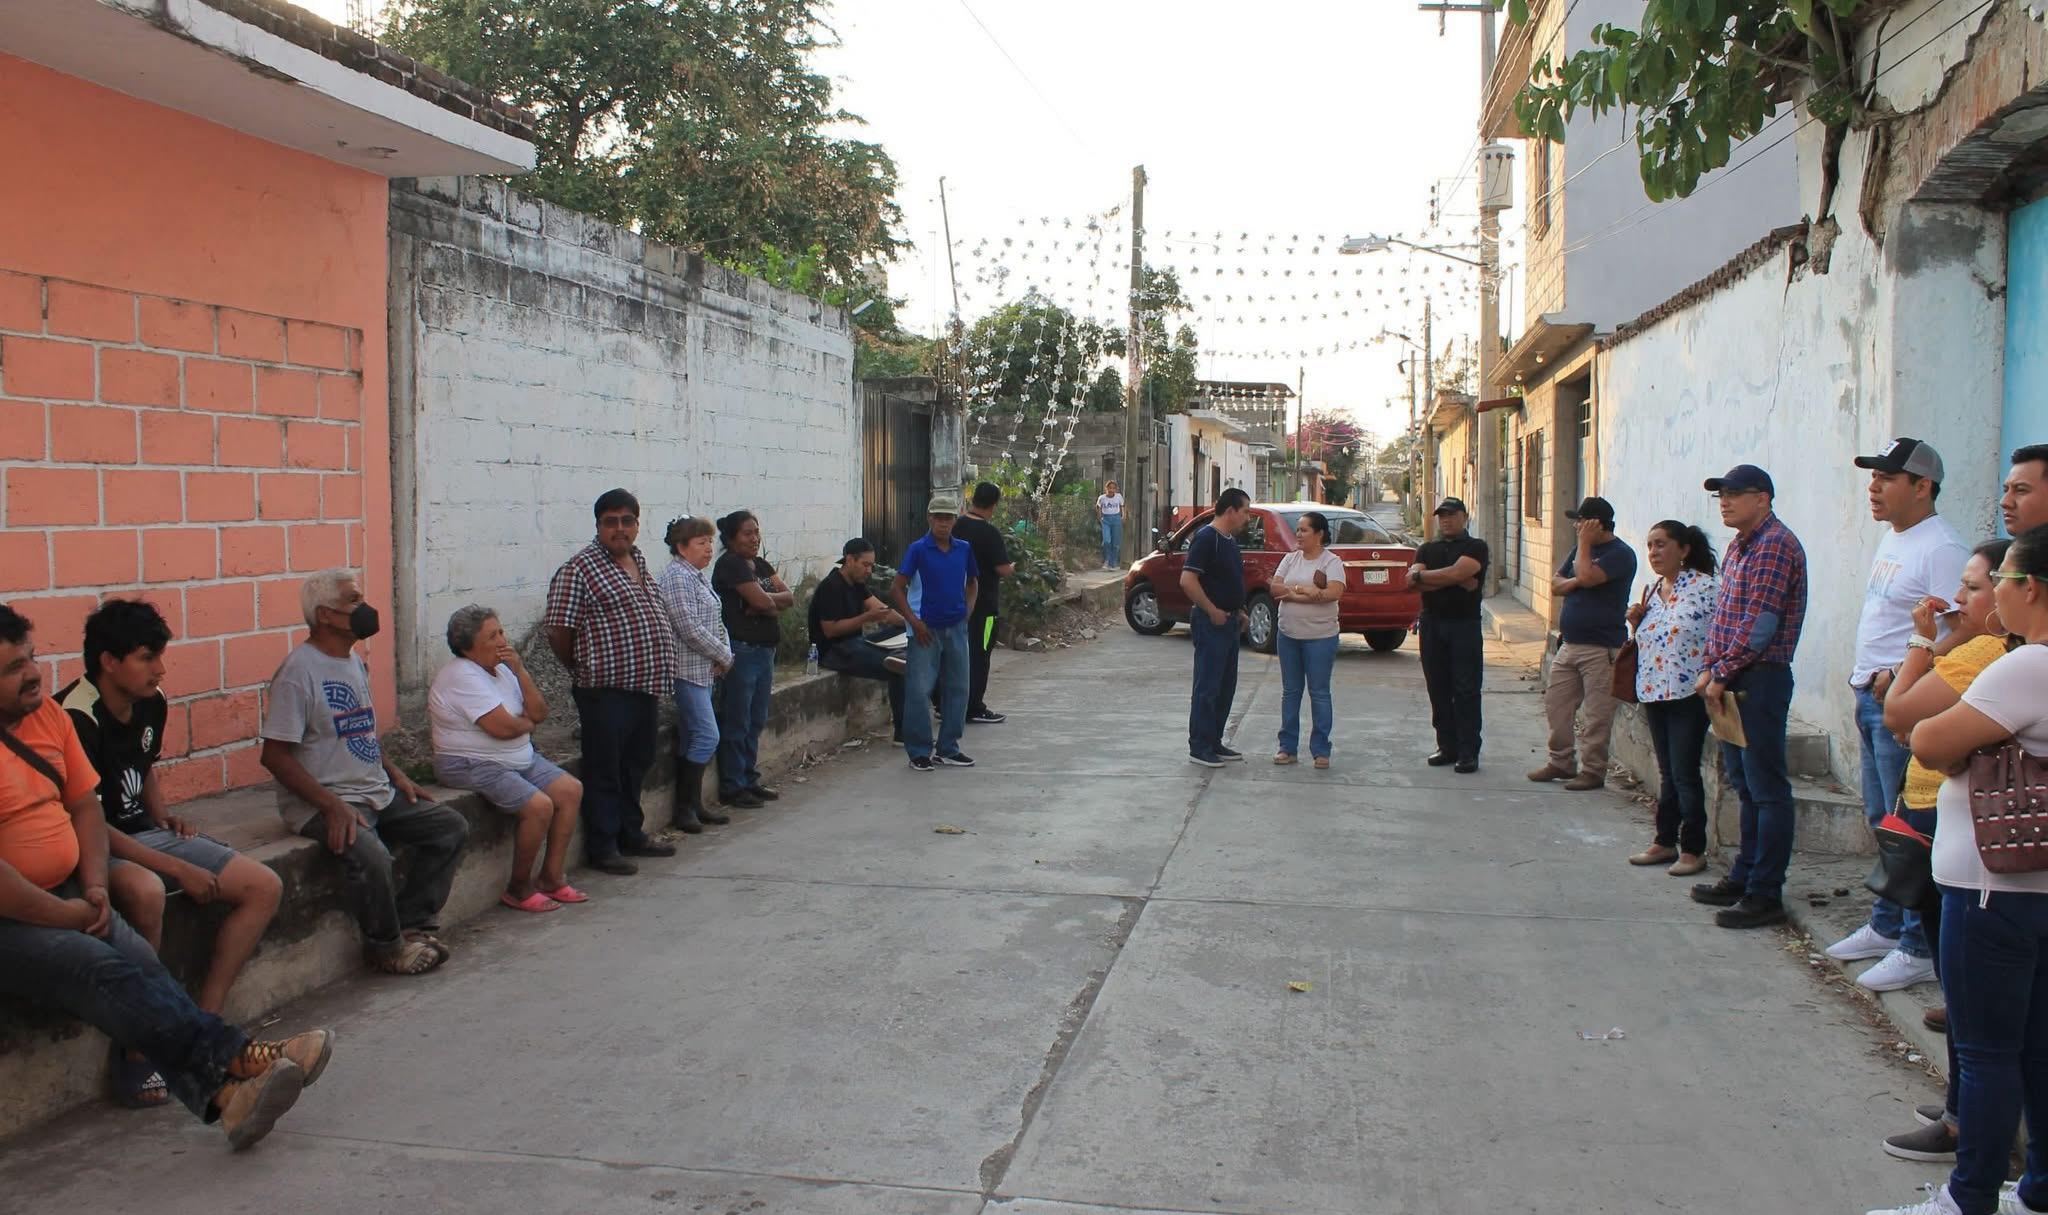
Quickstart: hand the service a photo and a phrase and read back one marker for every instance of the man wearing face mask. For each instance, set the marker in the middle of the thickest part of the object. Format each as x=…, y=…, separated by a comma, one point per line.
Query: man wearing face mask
x=335, y=786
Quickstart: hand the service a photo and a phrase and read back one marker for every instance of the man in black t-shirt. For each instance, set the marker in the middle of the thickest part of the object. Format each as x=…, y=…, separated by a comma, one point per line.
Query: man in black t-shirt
x=119, y=711
x=992, y=557
x=1448, y=571
x=841, y=609
x=1212, y=577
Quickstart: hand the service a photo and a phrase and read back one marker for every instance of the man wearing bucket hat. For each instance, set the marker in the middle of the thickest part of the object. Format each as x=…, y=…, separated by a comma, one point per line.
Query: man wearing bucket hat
x=934, y=587
x=1757, y=620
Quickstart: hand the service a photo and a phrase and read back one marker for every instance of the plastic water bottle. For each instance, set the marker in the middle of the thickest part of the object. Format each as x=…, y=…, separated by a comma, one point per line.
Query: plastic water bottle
x=811, y=661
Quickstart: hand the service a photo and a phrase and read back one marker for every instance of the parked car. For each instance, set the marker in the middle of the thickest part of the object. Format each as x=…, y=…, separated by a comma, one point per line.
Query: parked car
x=1377, y=601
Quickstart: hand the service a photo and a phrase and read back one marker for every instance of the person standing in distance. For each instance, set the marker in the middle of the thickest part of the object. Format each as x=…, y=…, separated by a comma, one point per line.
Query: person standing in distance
x=1448, y=571
x=1109, y=511
x=992, y=555
x=1213, y=579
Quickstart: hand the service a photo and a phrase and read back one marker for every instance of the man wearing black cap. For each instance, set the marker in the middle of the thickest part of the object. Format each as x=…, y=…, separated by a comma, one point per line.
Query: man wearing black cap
x=1594, y=584
x=1448, y=571
x=1757, y=620
x=841, y=610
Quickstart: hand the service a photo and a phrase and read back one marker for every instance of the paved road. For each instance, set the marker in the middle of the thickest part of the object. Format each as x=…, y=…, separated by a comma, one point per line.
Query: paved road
x=1081, y=1006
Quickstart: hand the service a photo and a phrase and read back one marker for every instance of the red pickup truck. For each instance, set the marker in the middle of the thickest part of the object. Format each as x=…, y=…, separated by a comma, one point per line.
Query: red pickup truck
x=1377, y=601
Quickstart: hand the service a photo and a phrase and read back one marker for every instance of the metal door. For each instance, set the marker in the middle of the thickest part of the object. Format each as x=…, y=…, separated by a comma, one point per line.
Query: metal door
x=2026, y=330
x=896, y=481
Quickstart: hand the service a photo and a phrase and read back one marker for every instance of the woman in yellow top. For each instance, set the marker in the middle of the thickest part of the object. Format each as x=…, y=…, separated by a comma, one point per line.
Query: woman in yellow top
x=1976, y=639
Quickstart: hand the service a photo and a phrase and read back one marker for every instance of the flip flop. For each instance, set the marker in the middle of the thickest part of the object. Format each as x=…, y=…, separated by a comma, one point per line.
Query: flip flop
x=565, y=893
x=137, y=1083
x=535, y=902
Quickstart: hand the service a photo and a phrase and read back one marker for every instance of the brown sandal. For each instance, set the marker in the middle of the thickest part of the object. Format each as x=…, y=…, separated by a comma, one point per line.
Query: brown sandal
x=412, y=958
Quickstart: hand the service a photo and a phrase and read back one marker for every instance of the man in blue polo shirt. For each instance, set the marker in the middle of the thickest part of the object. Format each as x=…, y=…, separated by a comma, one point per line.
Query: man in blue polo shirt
x=933, y=586
x=1212, y=578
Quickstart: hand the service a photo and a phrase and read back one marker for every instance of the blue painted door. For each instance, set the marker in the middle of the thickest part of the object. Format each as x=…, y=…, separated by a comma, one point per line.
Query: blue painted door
x=2026, y=329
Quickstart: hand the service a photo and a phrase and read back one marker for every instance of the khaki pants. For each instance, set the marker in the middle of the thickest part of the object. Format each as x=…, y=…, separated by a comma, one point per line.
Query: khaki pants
x=1581, y=679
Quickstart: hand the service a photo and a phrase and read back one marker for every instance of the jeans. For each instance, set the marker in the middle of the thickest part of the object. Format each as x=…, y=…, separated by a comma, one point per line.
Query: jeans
x=1112, y=539
x=942, y=664
x=1307, y=662
x=1930, y=923
x=1678, y=733
x=1453, y=659
x=1215, y=682
x=116, y=985
x=619, y=729
x=1763, y=783
x=696, y=722
x=385, y=909
x=744, y=694
x=1994, y=970
x=981, y=641
x=1580, y=689
x=1884, y=774
x=863, y=659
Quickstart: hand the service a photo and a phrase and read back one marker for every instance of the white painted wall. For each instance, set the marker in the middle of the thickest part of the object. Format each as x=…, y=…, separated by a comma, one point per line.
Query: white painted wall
x=541, y=357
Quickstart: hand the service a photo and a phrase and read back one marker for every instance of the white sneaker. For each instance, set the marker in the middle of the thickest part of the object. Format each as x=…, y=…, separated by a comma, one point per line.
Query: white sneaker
x=1937, y=1202
x=1898, y=970
x=1865, y=942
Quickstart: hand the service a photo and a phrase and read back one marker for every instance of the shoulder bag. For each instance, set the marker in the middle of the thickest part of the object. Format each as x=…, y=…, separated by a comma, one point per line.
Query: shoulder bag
x=33, y=760
x=2009, y=808
x=1904, y=870
x=1623, y=685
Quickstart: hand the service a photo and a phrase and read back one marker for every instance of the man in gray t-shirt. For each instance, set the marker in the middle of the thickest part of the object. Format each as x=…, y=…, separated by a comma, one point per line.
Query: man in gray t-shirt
x=335, y=786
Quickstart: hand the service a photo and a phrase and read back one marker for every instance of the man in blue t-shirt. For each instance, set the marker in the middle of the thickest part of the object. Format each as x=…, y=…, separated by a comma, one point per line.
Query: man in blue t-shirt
x=1594, y=585
x=945, y=579
x=1213, y=578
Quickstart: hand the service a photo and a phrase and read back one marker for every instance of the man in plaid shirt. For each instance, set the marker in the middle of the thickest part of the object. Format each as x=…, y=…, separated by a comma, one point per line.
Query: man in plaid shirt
x=606, y=622
x=1757, y=619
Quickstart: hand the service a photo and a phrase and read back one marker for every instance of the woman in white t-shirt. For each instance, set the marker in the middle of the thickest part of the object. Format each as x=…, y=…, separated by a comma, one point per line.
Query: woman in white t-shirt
x=1994, y=926
x=484, y=707
x=1109, y=508
x=1307, y=586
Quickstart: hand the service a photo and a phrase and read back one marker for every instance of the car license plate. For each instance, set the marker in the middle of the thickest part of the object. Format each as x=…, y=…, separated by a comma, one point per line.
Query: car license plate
x=1372, y=577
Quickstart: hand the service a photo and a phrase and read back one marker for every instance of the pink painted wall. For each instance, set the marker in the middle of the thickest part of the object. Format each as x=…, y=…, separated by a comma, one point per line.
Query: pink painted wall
x=192, y=392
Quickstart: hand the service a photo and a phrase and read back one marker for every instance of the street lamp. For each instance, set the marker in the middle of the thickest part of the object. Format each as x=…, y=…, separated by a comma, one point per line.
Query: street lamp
x=1377, y=244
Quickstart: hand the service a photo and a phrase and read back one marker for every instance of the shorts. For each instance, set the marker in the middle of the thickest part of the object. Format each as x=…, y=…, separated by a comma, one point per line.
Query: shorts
x=505, y=787
x=207, y=853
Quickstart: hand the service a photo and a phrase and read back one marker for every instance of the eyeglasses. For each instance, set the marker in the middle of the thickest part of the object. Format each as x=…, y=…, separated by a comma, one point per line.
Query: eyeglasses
x=618, y=520
x=2013, y=576
x=1729, y=495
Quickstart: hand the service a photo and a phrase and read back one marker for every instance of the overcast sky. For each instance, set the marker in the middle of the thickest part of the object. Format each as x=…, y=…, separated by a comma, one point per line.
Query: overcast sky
x=1302, y=120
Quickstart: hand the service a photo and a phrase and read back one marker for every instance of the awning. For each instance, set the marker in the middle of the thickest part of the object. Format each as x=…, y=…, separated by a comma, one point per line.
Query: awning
x=1545, y=342
x=1489, y=406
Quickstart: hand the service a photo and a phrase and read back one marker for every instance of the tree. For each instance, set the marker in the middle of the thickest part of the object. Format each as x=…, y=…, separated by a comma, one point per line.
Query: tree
x=1106, y=394
x=1170, y=351
x=700, y=122
x=1337, y=441
x=1699, y=77
x=882, y=348
x=1028, y=357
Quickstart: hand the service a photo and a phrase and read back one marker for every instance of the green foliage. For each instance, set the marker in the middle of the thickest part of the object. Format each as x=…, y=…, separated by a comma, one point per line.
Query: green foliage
x=795, y=623
x=698, y=121
x=1106, y=394
x=1170, y=350
x=1028, y=593
x=882, y=350
x=1698, y=78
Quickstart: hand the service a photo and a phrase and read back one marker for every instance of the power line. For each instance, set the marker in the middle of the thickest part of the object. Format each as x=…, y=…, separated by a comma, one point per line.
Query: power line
x=1025, y=76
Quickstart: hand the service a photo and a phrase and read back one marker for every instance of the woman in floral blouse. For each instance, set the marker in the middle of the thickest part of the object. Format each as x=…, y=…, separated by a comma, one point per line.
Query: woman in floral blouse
x=1671, y=645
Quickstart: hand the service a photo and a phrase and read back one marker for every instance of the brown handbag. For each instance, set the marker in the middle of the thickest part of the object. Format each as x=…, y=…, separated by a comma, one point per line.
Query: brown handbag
x=1623, y=686
x=2009, y=808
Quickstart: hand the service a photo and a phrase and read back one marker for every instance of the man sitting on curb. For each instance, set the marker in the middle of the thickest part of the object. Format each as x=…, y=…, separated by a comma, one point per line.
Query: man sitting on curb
x=841, y=608
x=335, y=786
x=62, y=944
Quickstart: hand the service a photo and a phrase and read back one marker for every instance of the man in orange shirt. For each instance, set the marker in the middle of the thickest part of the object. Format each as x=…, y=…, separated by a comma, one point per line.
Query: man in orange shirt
x=62, y=943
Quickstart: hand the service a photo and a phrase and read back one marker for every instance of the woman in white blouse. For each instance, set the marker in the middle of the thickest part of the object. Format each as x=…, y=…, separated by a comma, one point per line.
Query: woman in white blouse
x=1671, y=646
x=1994, y=926
x=1307, y=586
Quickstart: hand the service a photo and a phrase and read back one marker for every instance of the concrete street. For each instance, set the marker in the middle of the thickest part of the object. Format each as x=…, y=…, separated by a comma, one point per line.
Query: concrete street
x=1081, y=1005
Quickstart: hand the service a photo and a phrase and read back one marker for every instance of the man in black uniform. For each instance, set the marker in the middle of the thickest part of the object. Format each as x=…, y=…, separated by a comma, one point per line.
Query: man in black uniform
x=992, y=556
x=1448, y=571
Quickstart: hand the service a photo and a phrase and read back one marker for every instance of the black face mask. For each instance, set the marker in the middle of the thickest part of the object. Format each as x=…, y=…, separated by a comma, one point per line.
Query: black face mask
x=362, y=622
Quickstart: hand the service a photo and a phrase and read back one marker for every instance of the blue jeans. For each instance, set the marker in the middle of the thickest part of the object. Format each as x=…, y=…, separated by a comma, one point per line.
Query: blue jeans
x=1215, y=682
x=1884, y=774
x=1310, y=662
x=1994, y=971
x=744, y=694
x=1762, y=780
x=942, y=664
x=696, y=722
x=116, y=985
x=1112, y=538
x=861, y=658
x=619, y=729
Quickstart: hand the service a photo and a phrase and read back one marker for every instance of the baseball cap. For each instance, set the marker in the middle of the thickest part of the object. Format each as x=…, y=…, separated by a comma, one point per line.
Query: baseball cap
x=1451, y=506
x=943, y=504
x=1593, y=508
x=1742, y=476
x=1904, y=455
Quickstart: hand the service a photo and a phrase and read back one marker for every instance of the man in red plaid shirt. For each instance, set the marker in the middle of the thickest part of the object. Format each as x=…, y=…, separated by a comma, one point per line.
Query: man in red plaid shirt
x=1757, y=619
x=607, y=623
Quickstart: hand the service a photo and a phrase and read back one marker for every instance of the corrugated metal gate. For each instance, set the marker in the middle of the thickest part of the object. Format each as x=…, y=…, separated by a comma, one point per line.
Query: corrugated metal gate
x=896, y=472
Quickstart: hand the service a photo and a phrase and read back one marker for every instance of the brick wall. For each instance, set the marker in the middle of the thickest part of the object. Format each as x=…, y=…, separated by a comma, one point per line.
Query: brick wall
x=199, y=457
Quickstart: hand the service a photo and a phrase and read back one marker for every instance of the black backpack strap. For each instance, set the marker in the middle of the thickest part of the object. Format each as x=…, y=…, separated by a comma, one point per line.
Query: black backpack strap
x=32, y=759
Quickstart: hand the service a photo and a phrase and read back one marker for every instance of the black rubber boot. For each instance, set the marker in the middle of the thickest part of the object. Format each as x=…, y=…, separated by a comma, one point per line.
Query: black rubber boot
x=693, y=776
x=689, y=781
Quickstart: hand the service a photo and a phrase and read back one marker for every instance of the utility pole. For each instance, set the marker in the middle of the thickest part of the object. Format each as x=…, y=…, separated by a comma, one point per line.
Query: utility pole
x=1135, y=438
x=1410, y=497
x=1300, y=429
x=952, y=273
x=1428, y=453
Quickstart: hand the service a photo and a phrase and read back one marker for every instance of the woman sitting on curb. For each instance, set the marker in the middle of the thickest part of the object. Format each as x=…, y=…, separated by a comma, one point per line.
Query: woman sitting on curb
x=484, y=707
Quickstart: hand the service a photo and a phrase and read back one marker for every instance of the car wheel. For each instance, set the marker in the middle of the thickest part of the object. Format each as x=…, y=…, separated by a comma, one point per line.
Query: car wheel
x=1262, y=623
x=1141, y=611
x=1386, y=640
